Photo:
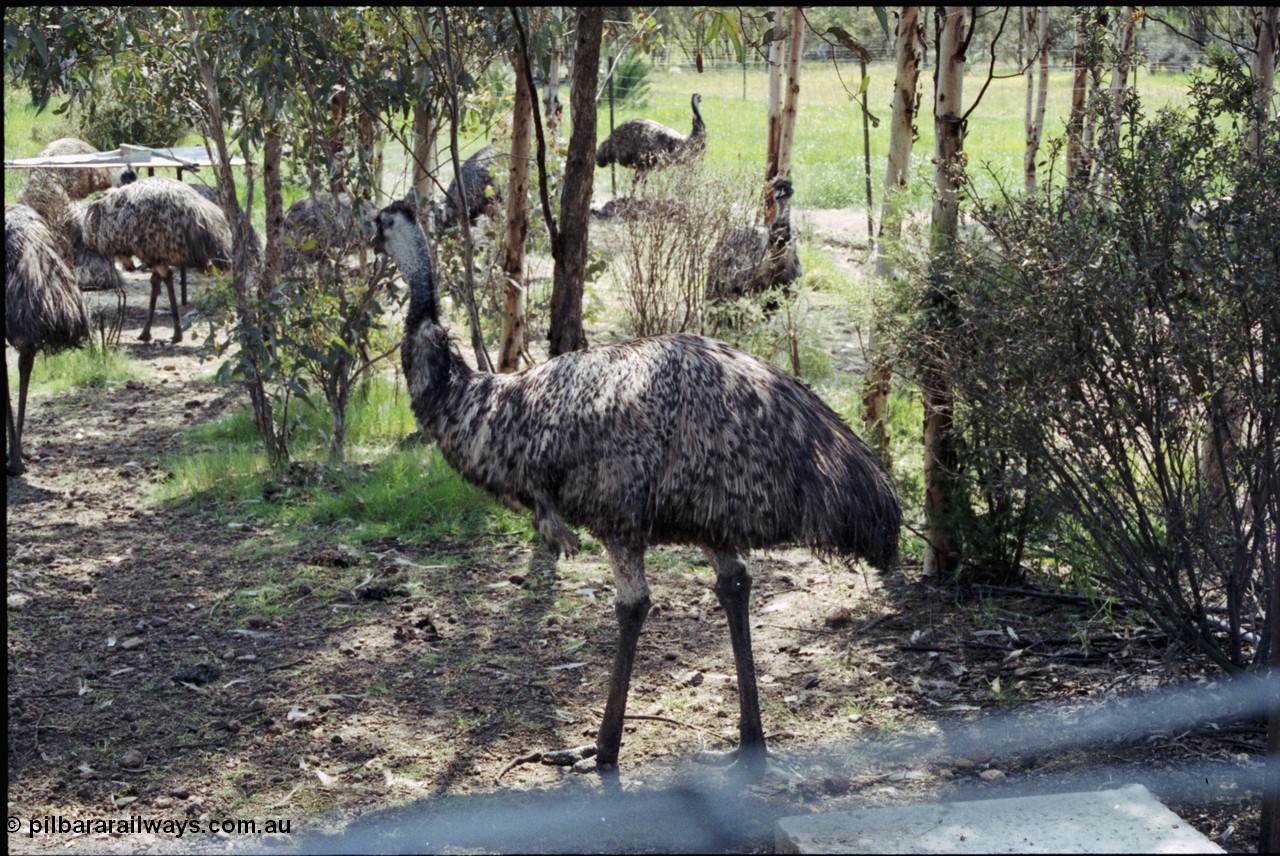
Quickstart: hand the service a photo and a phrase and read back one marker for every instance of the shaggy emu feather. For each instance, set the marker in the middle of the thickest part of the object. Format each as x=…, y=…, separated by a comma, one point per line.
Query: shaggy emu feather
x=166, y=224
x=322, y=223
x=663, y=440
x=643, y=144
x=43, y=310
x=477, y=176
x=748, y=261
x=54, y=194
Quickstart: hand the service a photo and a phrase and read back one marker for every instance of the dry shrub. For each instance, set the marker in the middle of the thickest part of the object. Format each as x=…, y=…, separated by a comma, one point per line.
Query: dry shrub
x=670, y=226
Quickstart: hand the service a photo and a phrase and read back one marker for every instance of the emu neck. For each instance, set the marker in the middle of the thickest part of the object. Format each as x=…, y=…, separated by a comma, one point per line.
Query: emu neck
x=416, y=268
x=699, y=127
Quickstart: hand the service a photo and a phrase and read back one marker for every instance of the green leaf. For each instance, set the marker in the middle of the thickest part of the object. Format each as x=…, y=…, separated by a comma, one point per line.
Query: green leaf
x=866, y=81
x=883, y=17
x=41, y=45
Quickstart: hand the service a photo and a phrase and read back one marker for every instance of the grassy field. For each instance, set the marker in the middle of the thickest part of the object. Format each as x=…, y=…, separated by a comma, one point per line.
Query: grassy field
x=828, y=160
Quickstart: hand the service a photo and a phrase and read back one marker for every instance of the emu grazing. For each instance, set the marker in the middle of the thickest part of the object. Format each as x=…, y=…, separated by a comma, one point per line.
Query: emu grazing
x=322, y=223
x=663, y=440
x=749, y=261
x=43, y=310
x=477, y=177
x=643, y=144
x=163, y=222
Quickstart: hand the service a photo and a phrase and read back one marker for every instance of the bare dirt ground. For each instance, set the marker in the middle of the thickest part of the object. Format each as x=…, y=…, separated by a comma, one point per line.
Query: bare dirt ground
x=168, y=664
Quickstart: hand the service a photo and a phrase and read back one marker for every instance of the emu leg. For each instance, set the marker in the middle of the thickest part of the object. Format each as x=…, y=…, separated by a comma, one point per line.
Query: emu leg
x=26, y=359
x=13, y=464
x=733, y=588
x=632, y=606
x=155, y=294
x=173, y=306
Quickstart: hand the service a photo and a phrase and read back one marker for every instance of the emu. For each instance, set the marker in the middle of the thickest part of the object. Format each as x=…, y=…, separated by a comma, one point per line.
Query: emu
x=163, y=222
x=43, y=309
x=643, y=144
x=321, y=223
x=55, y=195
x=673, y=439
x=748, y=261
x=477, y=178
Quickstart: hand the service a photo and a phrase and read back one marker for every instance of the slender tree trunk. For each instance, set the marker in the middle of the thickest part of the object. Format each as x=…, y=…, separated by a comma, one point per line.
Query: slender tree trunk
x=773, y=141
x=464, y=221
x=1077, y=171
x=943, y=504
x=566, y=332
x=272, y=191
x=1035, y=122
x=551, y=87
x=243, y=265
x=1264, y=73
x=517, y=223
x=909, y=41
x=1119, y=86
x=425, y=130
x=791, y=103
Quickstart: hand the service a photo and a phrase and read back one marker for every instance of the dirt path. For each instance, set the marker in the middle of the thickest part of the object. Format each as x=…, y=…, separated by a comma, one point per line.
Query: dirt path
x=176, y=665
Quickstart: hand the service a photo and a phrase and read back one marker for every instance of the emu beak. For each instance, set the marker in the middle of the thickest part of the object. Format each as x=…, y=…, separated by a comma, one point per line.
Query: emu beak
x=379, y=243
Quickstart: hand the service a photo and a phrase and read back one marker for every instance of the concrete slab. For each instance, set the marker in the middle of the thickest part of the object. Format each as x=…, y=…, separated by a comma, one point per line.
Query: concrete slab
x=1124, y=820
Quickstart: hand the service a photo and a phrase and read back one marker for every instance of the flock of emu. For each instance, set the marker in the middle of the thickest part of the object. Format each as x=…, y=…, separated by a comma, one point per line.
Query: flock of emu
x=675, y=439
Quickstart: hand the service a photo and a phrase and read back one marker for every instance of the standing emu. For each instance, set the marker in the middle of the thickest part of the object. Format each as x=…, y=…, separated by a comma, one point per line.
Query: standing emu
x=477, y=177
x=43, y=310
x=55, y=195
x=163, y=222
x=643, y=144
x=663, y=440
x=750, y=261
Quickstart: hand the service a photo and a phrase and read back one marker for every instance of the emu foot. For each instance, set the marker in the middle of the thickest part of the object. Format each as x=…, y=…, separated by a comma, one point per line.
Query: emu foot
x=145, y=336
x=177, y=337
x=749, y=764
x=15, y=467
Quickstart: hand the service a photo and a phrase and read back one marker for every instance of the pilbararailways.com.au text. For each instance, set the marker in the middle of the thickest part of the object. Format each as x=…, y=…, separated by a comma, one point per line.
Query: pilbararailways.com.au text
x=137, y=825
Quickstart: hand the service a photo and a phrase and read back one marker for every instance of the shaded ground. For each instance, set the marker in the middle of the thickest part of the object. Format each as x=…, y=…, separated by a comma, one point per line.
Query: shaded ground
x=176, y=665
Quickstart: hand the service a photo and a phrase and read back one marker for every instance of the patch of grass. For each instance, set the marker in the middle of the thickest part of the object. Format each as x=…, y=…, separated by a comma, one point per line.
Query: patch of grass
x=78, y=368
x=410, y=493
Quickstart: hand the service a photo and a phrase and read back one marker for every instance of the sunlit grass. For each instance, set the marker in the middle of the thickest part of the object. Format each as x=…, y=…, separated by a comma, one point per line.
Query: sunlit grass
x=77, y=368
x=387, y=488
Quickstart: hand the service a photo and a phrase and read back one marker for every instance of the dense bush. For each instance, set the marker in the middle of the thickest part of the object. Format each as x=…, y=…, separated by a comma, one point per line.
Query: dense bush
x=115, y=121
x=1115, y=361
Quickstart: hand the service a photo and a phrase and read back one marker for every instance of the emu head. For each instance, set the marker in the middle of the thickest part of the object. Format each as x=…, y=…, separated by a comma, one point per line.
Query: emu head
x=395, y=227
x=127, y=175
x=782, y=190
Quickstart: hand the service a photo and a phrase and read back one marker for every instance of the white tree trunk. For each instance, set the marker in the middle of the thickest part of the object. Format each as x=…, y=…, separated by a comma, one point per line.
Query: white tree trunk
x=795, y=45
x=1038, y=49
x=907, y=49
x=941, y=501
x=1264, y=72
x=551, y=87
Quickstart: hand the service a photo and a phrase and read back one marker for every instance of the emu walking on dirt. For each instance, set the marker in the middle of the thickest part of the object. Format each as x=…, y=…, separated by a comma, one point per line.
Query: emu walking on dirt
x=166, y=224
x=643, y=144
x=43, y=310
x=750, y=261
x=663, y=440
x=477, y=176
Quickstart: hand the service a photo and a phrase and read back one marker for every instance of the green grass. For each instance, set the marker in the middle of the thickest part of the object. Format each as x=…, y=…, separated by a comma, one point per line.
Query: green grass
x=827, y=164
x=386, y=489
x=78, y=368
